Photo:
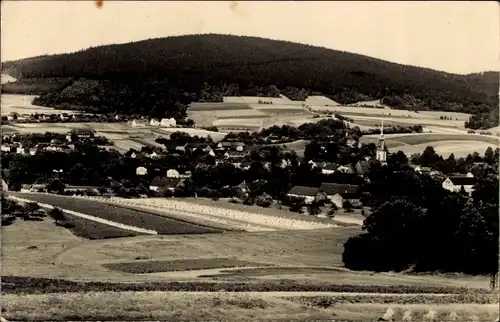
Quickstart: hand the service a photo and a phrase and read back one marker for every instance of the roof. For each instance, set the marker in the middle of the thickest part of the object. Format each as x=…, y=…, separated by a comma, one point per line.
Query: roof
x=329, y=166
x=364, y=166
x=82, y=131
x=236, y=154
x=303, y=191
x=165, y=182
x=197, y=145
x=80, y=187
x=342, y=189
x=463, y=180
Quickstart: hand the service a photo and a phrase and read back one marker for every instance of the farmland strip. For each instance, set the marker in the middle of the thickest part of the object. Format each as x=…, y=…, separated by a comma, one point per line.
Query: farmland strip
x=100, y=220
x=162, y=225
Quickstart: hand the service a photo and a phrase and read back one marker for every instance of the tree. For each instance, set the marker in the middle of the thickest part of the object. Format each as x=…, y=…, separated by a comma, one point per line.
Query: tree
x=31, y=209
x=347, y=206
x=57, y=215
x=55, y=186
x=313, y=209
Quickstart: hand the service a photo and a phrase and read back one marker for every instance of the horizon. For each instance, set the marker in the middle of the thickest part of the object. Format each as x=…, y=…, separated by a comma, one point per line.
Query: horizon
x=430, y=38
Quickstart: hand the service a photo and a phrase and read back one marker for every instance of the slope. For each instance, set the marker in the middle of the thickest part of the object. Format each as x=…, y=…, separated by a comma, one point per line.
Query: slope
x=188, y=62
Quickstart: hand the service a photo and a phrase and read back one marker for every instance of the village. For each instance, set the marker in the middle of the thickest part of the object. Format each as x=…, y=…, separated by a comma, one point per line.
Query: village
x=341, y=194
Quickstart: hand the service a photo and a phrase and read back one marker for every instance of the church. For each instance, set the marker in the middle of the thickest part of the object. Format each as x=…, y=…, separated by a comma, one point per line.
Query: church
x=381, y=154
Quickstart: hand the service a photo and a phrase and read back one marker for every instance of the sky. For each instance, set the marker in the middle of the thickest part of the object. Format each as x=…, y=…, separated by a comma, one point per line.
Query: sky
x=457, y=37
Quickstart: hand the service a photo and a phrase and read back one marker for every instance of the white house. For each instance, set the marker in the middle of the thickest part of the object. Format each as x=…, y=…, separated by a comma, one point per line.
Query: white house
x=342, y=168
x=141, y=171
x=6, y=147
x=455, y=183
x=168, y=122
x=154, y=122
x=172, y=173
x=139, y=123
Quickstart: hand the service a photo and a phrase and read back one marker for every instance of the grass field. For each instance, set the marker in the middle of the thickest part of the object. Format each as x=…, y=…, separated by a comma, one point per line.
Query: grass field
x=445, y=148
x=445, y=144
x=319, y=100
x=144, y=267
x=89, y=229
x=22, y=104
x=229, y=307
x=423, y=138
x=223, y=106
x=161, y=224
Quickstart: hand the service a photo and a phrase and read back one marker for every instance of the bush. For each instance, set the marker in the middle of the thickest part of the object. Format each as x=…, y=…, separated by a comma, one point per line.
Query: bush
x=263, y=202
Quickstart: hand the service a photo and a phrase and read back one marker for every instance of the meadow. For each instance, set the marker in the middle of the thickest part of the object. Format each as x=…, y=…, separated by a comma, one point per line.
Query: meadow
x=445, y=144
x=236, y=306
x=13, y=103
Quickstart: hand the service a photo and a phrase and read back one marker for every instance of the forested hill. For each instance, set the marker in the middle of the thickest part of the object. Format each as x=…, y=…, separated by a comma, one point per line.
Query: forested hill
x=187, y=62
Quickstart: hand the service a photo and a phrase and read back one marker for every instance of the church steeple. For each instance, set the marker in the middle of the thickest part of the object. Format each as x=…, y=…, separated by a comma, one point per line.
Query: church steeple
x=381, y=150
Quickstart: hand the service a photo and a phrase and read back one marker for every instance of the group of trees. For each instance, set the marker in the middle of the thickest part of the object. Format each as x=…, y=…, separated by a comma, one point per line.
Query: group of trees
x=151, y=76
x=415, y=224
x=11, y=210
x=429, y=158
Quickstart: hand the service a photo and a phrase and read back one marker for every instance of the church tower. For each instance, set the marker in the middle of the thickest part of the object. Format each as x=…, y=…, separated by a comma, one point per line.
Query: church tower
x=381, y=149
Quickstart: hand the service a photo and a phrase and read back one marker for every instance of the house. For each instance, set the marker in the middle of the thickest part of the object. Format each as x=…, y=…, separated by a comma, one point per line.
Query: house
x=272, y=139
x=171, y=122
x=243, y=186
x=172, y=173
x=33, y=188
x=162, y=184
x=22, y=150
x=141, y=171
x=64, y=116
x=350, y=142
x=6, y=147
x=12, y=116
x=198, y=146
x=235, y=146
x=362, y=167
x=154, y=155
x=328, y=167
x=455, y=183
x=25, y=188
x=343, y=169
x=235, y=155
x=78, y=134
x=139, y=123
x=423, y=170
x=154, y=122
x=81, y=188
x=310, y=194
x=338, y=193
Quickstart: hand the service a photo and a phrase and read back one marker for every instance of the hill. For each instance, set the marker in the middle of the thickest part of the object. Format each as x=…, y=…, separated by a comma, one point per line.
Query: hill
x=207, y=67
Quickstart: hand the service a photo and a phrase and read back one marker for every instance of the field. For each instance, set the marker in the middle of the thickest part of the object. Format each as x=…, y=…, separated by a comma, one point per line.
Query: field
x=317, y=101
x=230, y=307
x=145, y=267
x=161, y=224
x=445, y=144
x=22, y=104
x=284, y=274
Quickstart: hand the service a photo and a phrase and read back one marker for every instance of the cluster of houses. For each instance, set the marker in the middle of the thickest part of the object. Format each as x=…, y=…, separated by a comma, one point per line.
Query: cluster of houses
x=55, y=117
x=56, y=145
x=165, y=122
